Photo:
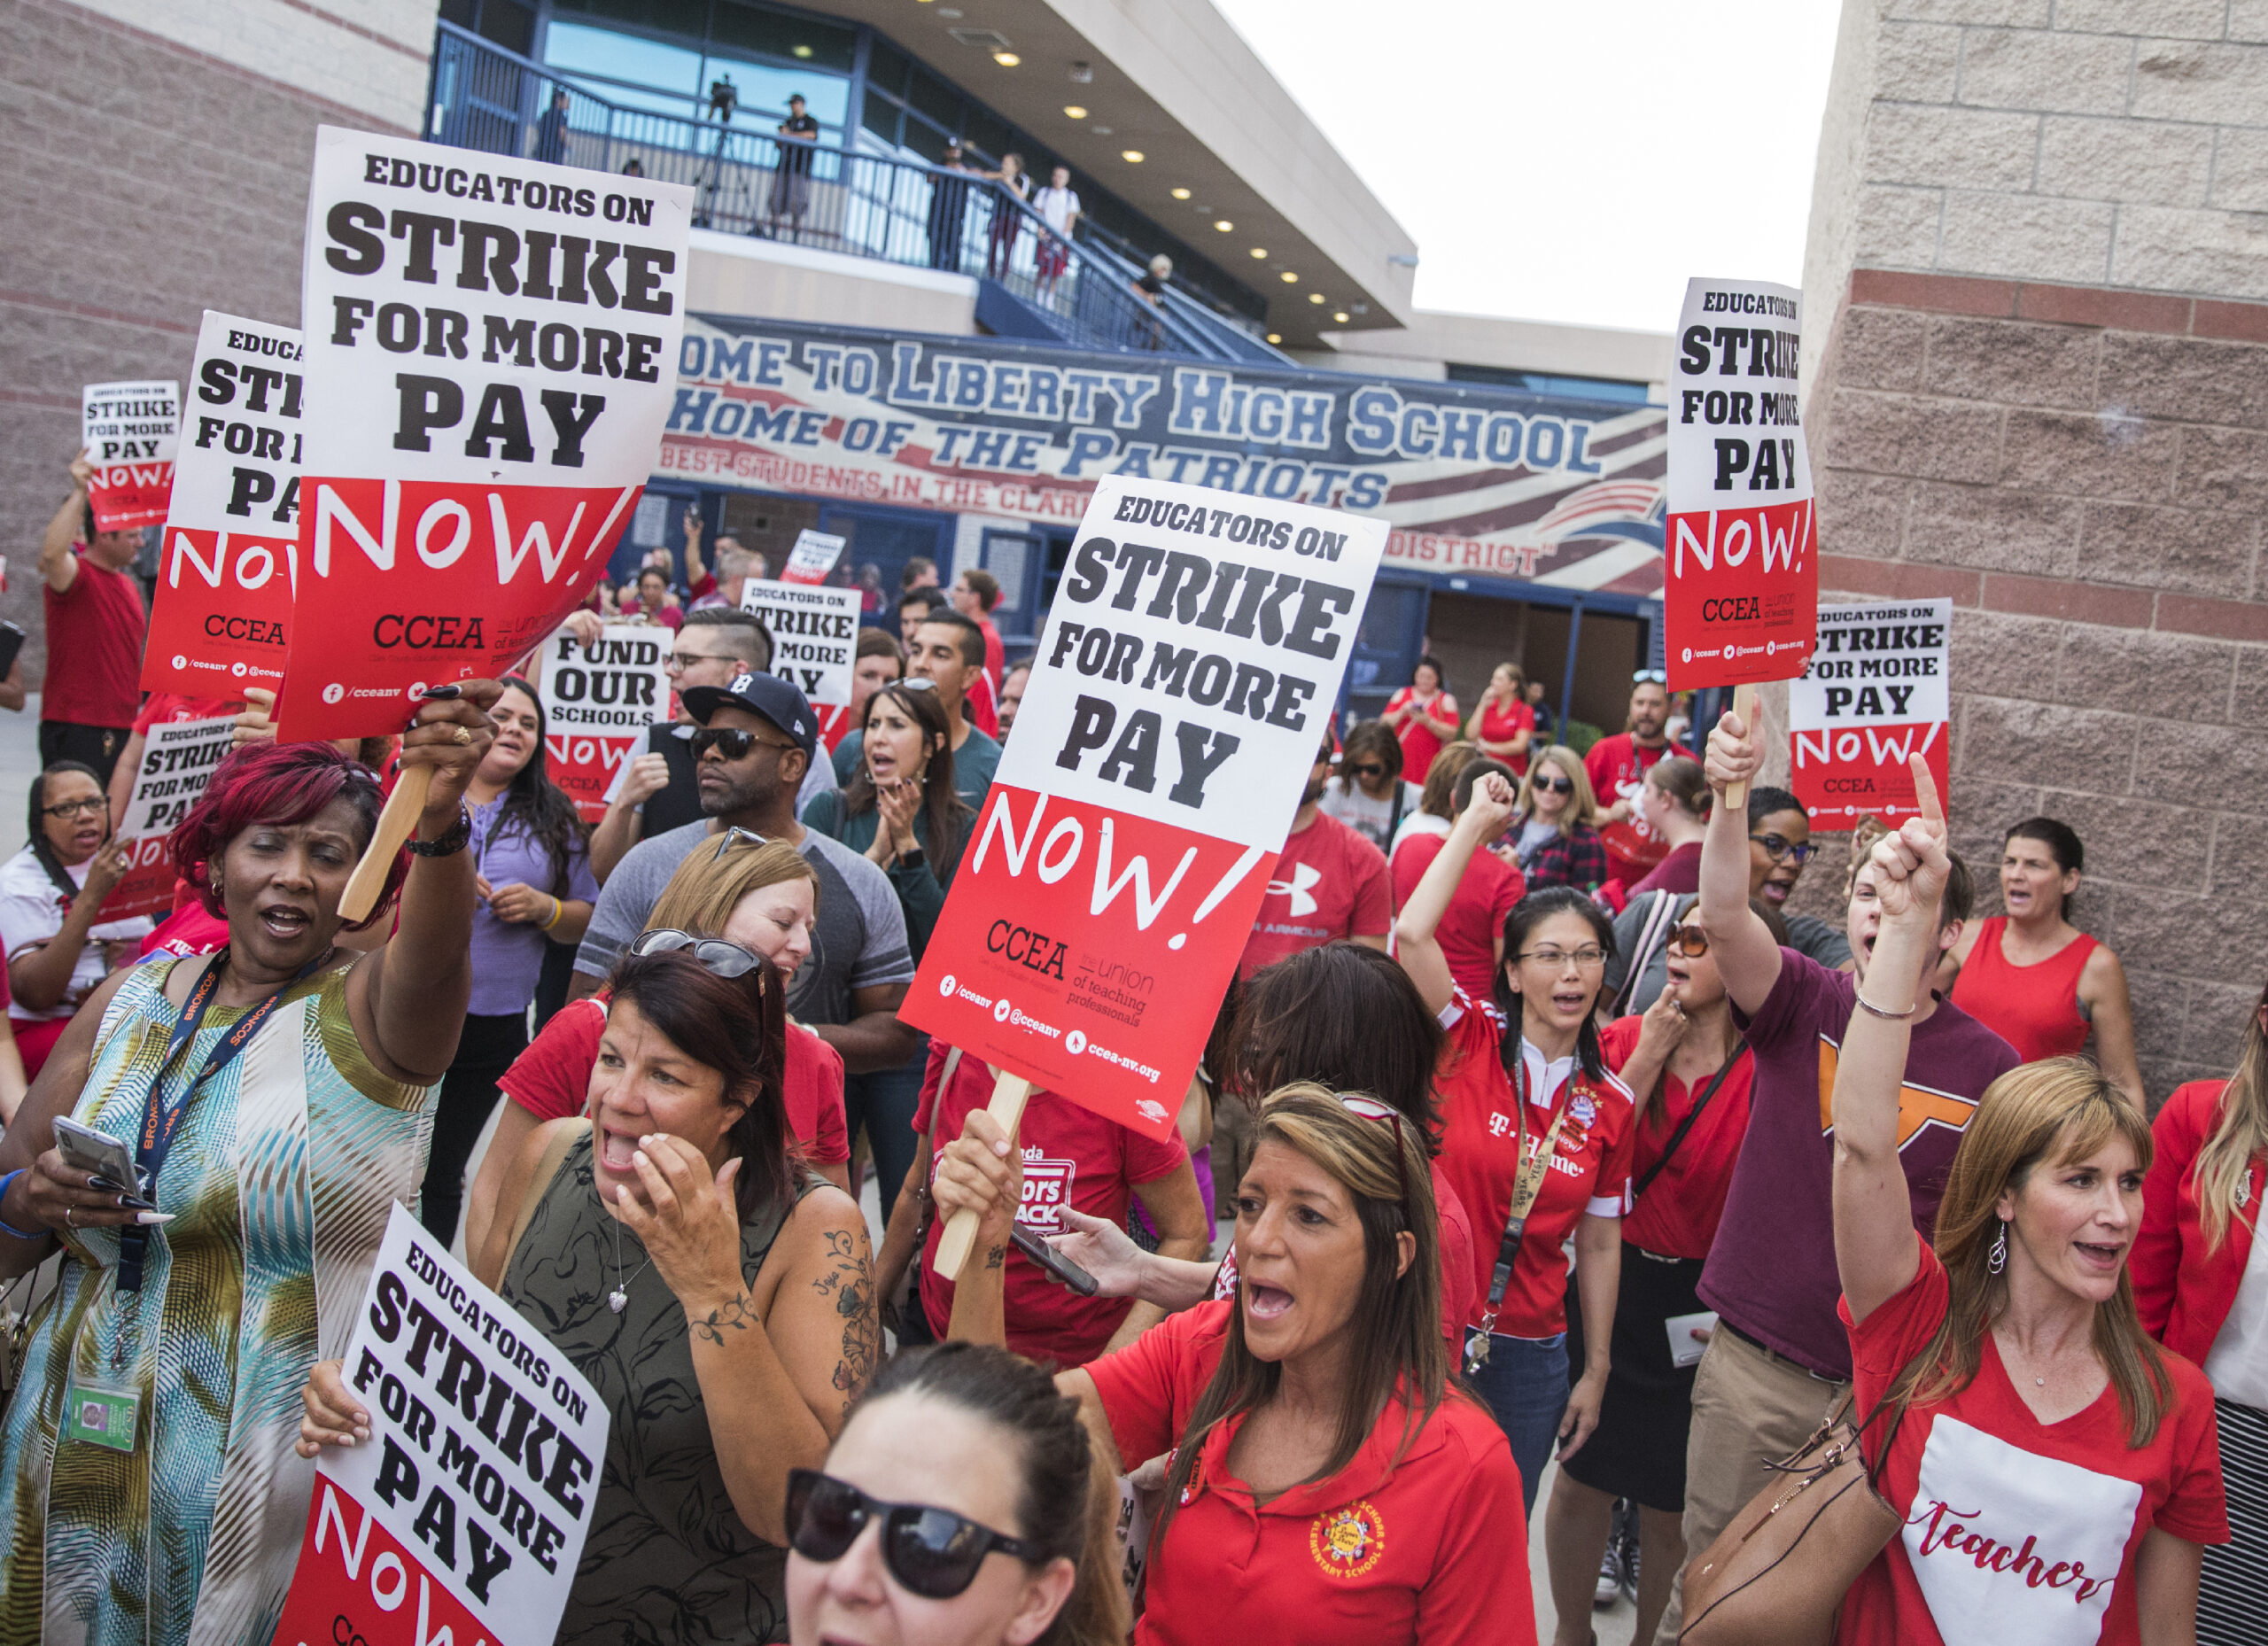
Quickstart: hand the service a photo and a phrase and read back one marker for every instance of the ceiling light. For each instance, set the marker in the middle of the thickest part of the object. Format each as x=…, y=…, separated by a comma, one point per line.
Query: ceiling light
x=1340, y=317
x=1132, y=157
x=1181, y=194
x=1315, y=297
x=1072, y=110
x=1260, y=251
x=1289, y=278
x=1006, y=59
x=801, y=52
x=1224, y=225
x=1274, y=337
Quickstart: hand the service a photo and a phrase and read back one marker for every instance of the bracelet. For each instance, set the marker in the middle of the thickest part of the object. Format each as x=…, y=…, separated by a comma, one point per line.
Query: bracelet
x=6, y=1184
x=1867, y=1006
x=558, y=909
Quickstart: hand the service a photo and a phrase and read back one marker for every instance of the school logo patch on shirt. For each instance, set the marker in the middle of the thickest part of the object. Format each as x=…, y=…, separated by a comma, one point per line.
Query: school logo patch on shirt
x=1348, y=1543
x=1580, y=1109
x=1047, y=1191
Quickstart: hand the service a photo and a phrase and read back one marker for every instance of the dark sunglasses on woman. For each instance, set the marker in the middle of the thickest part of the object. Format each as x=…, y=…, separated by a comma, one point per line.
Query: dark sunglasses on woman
x=1689, y=941
x=726, y=959
x=931, y=1552
x=1555, y=785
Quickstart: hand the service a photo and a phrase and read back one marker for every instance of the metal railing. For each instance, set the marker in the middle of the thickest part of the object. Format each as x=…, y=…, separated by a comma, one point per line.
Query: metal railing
x=833, y=199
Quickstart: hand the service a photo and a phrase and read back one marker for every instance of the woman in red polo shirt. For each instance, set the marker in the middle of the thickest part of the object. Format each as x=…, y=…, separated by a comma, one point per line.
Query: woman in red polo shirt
x=2054, y=1470
x=1329, y=1485
x=2201, y=1288
x=1536, y=1140
x=758, y=893
x=1689, y=1071
x=1423, y=716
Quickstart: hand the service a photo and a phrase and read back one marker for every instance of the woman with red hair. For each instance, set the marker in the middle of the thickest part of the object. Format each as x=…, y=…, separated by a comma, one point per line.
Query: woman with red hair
x=276, y=1097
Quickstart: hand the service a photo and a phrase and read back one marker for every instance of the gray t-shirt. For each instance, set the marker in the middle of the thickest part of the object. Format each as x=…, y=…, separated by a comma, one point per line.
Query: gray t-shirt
x=1808, y=934
x=857, y=941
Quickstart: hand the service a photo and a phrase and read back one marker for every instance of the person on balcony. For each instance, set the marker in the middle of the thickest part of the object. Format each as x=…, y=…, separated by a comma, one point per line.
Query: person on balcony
x=1008, y=221
x=791, y=176
x=948, y=206
x=1057, y=205
x=551, y=130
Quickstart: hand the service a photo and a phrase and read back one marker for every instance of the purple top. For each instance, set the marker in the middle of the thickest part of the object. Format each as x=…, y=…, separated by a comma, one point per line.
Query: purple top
x=508, y=958
x=1771, y=1272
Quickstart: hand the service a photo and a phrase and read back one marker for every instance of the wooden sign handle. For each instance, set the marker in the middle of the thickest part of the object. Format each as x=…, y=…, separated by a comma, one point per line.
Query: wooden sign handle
x=404, y=807
x=1744, y=706
x=1009, y=1094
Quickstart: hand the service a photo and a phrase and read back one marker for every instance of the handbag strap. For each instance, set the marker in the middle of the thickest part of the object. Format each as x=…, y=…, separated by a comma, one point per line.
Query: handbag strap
x=1652, y=935
x=1646, y=1182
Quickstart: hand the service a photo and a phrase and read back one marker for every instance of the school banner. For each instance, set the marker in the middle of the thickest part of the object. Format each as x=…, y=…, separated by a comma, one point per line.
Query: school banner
x=488, y=342
x=1876, y=693
x=814, y=556
x=1183, y=684
x=221, y=615
x=463, y=1517
x=814, y=636
x=1477, y=480
x=1740, y=602
x=129, y=431
x=177, y=759
x=597, y=702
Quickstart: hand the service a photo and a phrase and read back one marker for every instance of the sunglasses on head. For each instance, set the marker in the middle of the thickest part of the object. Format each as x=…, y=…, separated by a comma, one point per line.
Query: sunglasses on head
x=1779, y=847
x=734, y=743
x=1555, y=785
x=931, y=1552
x=716, y=954
x=1649, y=677
x=1371, y=1108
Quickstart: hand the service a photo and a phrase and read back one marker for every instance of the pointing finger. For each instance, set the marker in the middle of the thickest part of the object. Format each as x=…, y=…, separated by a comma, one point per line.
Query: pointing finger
x=1925, y=792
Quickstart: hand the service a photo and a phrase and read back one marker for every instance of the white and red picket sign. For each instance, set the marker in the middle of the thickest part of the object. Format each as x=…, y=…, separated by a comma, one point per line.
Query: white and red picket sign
x=131, y=431
x=220, y=619
x=1740, y=596
x=178, y=758
x=814, y=556
x=598, y=702
x=457, y=1521
x=1186, y=676
x=1875, y=694
x=491, y=353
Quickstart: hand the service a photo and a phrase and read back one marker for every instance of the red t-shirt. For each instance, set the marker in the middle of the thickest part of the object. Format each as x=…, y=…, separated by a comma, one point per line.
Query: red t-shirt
x=1330, y=883
x=996, y=655
x=1591, y=1168
x=171, y=707
x=1424, y=735
x=1072, y=1156
x=2024, y=1533
x=1501, y=725
x=188, y=930
x=1678, y=1215
x=551, y=1080
x=1679, y=871
x=979, y=707
x=1387, y=1551
x=1474, y=920
x=94, y=631
x=1617, y=768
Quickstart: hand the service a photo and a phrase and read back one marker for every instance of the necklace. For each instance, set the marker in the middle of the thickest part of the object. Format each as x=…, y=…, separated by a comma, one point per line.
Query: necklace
x=619, y=1299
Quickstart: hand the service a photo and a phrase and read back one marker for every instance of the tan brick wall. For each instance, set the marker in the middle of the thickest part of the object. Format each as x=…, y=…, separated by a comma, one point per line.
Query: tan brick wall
x=146, y=182
x=2083, y=472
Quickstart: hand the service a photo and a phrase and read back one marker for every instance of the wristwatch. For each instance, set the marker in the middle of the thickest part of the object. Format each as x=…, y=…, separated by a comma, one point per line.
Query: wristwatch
x=449, y=844
x=911, y=858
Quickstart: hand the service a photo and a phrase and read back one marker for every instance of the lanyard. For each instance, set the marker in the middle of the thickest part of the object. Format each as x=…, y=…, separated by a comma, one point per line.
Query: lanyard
x=161, y=1118
x=1527, y=1183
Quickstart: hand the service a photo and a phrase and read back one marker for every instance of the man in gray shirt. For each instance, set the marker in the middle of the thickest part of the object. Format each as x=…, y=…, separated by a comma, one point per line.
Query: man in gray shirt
x=756, y=741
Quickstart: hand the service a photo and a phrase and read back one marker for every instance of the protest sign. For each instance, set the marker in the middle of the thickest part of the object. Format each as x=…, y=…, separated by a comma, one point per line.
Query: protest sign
x=224, y=603
x=129, y=431
x=597, y=702
x=1876, y=693
x=463, y=1517
x=487, y=341
x=1740, y=593
x=177, y=758
x=1184, y=679
x=814, y=636
x=814, y=556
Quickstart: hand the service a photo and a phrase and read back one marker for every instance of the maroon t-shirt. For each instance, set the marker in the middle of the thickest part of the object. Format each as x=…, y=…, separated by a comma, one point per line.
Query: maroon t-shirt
x=95, y=630
x=1771, y=1270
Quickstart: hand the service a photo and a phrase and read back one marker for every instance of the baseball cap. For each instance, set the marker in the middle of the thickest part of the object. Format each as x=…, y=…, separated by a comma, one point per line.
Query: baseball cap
x=767, y=695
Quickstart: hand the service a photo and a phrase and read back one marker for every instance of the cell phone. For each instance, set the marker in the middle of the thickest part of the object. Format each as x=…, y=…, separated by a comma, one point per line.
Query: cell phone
x=1054, y=1261
x=11, y=641
x=85, y=1149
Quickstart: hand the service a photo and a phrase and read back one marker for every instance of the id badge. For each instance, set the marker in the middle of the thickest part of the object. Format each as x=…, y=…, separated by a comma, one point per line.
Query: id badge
x=102, y=1414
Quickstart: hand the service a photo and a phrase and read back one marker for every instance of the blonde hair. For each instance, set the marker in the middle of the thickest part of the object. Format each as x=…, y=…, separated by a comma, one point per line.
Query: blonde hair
x=1582, y=805
x=708, y=884
x=2224, y=1168
x=2038, y=1115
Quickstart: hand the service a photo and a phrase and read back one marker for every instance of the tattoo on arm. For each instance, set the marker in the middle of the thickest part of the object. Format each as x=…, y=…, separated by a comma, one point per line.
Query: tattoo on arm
x=995, y=1256
x=850, y=1281
x=737, y=1315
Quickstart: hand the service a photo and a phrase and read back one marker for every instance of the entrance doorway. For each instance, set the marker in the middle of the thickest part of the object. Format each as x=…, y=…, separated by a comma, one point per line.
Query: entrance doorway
x=1472, y=634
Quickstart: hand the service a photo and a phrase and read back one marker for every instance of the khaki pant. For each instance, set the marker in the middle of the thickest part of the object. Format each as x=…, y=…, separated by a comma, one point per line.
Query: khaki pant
x=1751, y=1408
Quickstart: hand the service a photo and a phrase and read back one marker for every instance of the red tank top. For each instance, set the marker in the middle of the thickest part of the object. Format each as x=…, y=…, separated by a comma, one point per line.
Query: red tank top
x=2034, y=1008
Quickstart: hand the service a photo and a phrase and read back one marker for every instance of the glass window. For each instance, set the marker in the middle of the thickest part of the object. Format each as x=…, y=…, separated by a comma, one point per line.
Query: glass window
x=509, y=23
x=457, y=11
x=603, y=53
x=688, y=18
x=764, y=90
x=779, y=34
x=886, y=66
x=940, y=102
x=989, y=137
x=879, y=116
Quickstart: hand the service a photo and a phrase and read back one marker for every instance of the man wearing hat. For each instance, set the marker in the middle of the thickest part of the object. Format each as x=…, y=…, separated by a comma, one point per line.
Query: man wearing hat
x=756, y=741
x=791, y=174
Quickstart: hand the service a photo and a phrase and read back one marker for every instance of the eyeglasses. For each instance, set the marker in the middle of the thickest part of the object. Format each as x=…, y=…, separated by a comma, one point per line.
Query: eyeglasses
x=734, y=741
x=1555, y=785
x=1649, y=677
x=1588, y=959
x=1372, y=769
x=683, y=660
x=731, y=837
x=1371, y=1108
x=1779, y=847
x=1689, y=941
x=91, y=806
x=931, y=1552
x=726, y=959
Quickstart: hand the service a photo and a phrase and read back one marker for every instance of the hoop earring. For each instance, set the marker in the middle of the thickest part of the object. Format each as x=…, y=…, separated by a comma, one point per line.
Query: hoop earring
x=1999, y=1258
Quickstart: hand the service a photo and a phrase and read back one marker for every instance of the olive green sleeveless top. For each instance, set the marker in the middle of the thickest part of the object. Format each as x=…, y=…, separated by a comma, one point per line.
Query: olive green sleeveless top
x=668, y=1558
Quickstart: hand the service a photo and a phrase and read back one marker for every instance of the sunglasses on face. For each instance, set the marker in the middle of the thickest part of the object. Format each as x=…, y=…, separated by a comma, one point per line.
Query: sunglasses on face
x=1373, y=769
x=931, y=1552
x=1689, y=941
x=734, y=743
x=1780, y=848
x=726, y=959
x=1555, y=785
